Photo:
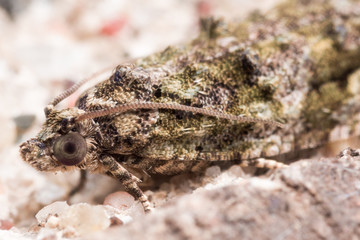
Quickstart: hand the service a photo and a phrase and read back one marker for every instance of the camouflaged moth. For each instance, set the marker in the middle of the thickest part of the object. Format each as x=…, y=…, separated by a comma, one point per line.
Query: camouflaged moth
x=136, y=126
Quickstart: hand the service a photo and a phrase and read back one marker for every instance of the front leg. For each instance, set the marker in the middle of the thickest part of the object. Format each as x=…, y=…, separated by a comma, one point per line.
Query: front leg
x=128, y=180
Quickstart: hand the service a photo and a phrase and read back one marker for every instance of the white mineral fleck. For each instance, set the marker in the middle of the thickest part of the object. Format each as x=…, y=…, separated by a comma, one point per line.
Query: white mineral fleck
x=52, y=222
x=55, y=208
x=264, y=184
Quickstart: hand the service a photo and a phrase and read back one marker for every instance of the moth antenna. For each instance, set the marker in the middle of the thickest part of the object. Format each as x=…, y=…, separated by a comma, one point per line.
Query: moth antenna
x=173, y=106
x=76, y=86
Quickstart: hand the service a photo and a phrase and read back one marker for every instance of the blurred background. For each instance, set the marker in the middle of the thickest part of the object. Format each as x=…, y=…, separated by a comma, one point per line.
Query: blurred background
x=47, y=45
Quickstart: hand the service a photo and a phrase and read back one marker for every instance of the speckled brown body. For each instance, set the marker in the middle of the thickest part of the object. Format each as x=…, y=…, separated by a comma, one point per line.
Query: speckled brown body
x=290, y=65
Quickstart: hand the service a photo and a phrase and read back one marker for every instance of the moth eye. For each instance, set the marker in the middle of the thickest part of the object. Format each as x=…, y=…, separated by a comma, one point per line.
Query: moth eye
x=70, y=149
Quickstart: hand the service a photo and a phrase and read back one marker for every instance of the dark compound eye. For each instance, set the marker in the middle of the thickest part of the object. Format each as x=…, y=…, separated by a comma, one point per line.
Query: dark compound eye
x=70, y=149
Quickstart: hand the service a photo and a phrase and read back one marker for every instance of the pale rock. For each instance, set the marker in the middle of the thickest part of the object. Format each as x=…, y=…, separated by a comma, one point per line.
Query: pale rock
x=76, y=220
x=127, y=207
x=57, y=208
x=85, y=218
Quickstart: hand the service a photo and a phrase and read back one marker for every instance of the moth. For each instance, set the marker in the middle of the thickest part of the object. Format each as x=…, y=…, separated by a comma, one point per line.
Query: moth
x=221, y=98
x=127, y=133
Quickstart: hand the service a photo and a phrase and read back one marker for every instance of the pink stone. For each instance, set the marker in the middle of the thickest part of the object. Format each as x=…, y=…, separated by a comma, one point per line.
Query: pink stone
x=6, y=224
x=119, y=200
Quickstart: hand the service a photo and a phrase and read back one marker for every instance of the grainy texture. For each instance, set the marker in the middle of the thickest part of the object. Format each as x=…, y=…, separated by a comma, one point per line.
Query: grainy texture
x=290, y=65
x=308, y=200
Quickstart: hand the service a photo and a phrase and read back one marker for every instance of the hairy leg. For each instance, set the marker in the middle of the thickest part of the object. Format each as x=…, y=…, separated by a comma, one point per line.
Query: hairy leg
x=128, y=180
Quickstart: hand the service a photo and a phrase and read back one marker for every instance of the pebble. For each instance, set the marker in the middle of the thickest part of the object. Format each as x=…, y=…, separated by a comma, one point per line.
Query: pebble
x=124, y=202
x=6, y=224
x=57, y=208
x=119, y=200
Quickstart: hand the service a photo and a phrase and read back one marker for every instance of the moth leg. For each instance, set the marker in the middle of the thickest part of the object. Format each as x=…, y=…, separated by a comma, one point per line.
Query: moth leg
x=128, y=180
x=263, y=163
x=80, y=186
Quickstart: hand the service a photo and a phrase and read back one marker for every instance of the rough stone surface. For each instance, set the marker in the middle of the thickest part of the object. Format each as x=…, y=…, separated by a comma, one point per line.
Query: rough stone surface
x=308, y=200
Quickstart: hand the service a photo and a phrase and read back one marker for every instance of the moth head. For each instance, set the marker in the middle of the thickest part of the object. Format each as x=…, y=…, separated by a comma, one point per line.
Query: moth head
x=62, y=143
